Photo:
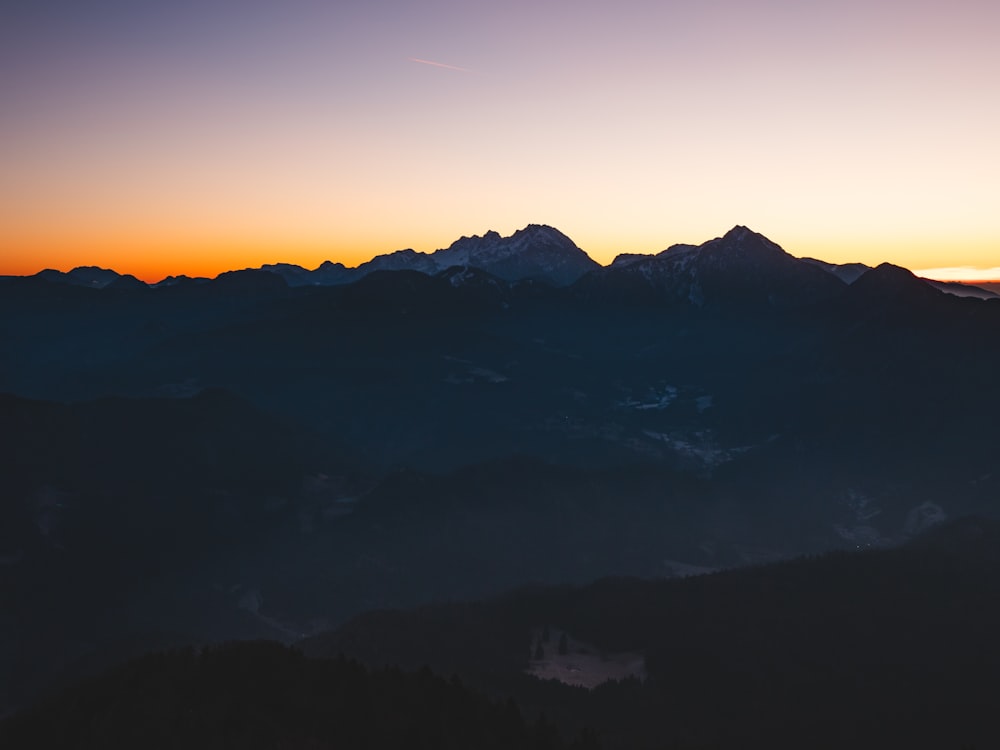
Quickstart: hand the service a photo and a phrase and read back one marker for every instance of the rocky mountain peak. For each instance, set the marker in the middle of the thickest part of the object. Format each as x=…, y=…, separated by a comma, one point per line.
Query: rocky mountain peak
x=743, y=241
x=535, y=252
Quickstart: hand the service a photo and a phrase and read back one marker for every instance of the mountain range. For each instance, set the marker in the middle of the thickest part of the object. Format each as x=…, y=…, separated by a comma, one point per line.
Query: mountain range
x=250, y=456
x=535, y=253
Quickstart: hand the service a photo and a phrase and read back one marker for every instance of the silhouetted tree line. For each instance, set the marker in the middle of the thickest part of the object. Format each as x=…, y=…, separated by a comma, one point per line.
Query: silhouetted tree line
x=264, y=695
x=885, y=648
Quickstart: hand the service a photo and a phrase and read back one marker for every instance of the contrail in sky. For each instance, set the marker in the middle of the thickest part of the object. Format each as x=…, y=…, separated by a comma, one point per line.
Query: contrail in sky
x=438, y=64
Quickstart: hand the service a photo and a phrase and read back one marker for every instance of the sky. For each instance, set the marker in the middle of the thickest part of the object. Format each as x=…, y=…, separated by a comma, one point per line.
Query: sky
x=196, y=136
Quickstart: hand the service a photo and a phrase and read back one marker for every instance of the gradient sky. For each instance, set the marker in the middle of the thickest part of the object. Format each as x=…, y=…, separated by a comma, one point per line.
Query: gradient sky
x=195, y=136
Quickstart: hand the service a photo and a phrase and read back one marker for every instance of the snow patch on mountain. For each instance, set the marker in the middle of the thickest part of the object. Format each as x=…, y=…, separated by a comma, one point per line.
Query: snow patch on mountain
x=535, y=252
x=659, y=398
x=699, y=448
x=472, y=373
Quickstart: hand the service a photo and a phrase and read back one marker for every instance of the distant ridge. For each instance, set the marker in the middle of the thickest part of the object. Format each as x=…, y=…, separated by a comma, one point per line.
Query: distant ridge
x=740, y=260
x=851, y=272
x=961, y=289
x=92, y=277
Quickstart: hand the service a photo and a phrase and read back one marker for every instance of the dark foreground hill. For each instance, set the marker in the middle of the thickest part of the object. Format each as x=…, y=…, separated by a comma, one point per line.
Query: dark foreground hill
x=115, y=515
x=266, y=696
x=891, y=648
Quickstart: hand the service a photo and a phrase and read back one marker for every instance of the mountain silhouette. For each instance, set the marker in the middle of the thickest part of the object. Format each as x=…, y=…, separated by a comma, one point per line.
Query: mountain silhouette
x=741, y=268
x=537, y=252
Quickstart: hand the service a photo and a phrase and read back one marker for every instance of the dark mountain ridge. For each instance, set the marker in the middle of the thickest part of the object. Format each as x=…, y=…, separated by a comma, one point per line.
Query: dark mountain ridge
x=543, y=253
x=740, y=269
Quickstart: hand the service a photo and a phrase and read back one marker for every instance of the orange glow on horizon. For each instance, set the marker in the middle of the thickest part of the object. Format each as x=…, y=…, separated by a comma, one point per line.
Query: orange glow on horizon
x=195, y=140
x=158, y=261
x=965, y=274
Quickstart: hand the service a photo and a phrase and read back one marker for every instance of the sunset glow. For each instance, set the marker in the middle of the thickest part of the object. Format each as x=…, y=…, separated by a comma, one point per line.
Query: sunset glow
x=960, y=273
x=195, y=137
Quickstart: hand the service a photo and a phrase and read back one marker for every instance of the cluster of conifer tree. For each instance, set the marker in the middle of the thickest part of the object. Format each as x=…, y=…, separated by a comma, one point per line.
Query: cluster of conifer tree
x=883, y=648
x=264, y=695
